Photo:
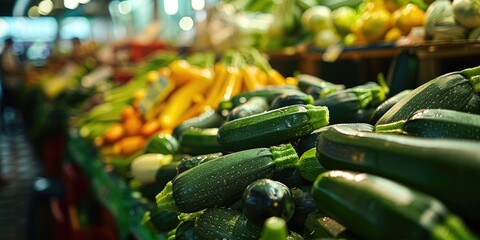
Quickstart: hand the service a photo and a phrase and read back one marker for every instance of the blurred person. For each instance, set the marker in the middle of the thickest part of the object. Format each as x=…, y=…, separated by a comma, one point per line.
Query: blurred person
x=11, y=79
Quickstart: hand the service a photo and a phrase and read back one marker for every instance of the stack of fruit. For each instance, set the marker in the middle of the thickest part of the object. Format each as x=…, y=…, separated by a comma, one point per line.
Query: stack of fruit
x=372, y=21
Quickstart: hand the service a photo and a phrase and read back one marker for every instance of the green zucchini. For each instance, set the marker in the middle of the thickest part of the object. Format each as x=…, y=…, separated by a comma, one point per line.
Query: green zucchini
x=160, y=220
x=186, y=231
x=363, y=115
x=317, y=87
x=437, y=123
x=319, y=225
x=199, y=141
x=253, y=106
x=452, y=91
x=144, y=167
x=191, y=162
x=224, y=223
x=288, y=99
x=387, y=104
x=268, y=93
x=208, y=119
x=310, y=141
x=309, y=166
x=343, y=105
x=222, y=180
x=373, y=207
x=444, y=168
x=304, y=205
x=272, y=127
x=161, y=143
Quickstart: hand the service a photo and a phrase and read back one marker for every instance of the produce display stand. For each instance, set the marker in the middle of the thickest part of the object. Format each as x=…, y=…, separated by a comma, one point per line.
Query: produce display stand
x=372, y=58
x=109, y=189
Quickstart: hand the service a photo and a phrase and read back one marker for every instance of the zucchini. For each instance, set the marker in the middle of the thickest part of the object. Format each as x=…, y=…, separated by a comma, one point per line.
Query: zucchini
x=288, y=99
x=272, y=127
x=267, y=198
x=379, y=90
x=208, y=119
x=343, y=105
x=268, y=93
x=304, y=205
x=317, y=87
x=253, y=106
x=310, y=141
x=222, y=180
x=373, y=207
x=444, y=168
x=319, y=225
x=199, y=141
x=191, y=162
x=186, y=231
x=224, y=223
x=387, y=104
x=452, y=91
x=144, y=167
x=363, y=115
x=160, y=220
x=437, y=123
x=309, y=166
x=275, y=228
x=161, y=143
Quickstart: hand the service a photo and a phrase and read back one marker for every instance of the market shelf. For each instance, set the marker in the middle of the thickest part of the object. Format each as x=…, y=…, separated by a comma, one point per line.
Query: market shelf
x=109, y=189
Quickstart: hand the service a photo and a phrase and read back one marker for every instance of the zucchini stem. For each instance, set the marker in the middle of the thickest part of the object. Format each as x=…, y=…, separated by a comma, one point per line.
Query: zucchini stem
x=284, y=156
x=395, y=127
x=318, y=116
x=452, y=228
x=473, y=75
x=165, y=198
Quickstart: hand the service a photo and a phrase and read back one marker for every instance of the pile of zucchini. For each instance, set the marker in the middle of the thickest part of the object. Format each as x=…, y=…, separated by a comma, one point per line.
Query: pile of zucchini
x=322, y=161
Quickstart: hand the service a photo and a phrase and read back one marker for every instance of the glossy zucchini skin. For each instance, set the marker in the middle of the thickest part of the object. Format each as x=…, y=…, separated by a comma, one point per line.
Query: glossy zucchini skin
x=162, y=143
x=452, y=91
x=268, y=93
x=343, y=105
x=373, y=207
x=253, y=106
x=272, y=127
x=443, y=123
x=224, y=223
x=317, y=87
x=310, y=141
x=222, y=180
x=444, y=168
x=387, y=104
x=198, y=141
x=191, y=162
x=288, y=99
x=208, y=119
x=163, y=220
x=186, y=231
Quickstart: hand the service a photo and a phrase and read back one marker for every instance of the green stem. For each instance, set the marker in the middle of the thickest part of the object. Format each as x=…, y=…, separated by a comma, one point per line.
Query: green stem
x=318, y=116
x=364, y=96
x=165, y=198
x=275, y=228
x=452, y=228
x=473, y=74
x=284, y=156
x=395, y=127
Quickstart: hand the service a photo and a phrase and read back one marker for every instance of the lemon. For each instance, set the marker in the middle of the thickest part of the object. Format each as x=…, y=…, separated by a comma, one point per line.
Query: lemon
x=393, y=35
x=374, y=24
x=407, y=17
